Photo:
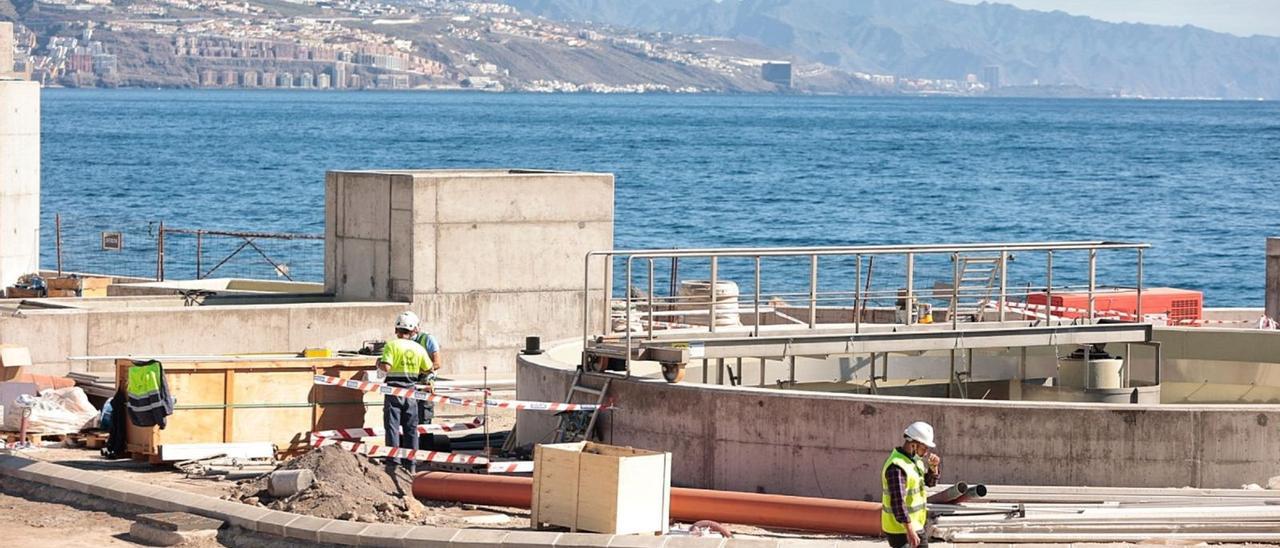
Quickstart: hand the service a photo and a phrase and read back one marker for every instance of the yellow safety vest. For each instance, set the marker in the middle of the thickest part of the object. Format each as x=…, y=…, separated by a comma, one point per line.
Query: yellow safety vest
x=915, y=494
x=144, y=386
x=405, y=360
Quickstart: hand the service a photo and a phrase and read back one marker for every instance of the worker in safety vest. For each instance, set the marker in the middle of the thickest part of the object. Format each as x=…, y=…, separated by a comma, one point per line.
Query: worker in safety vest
x=426, y=409
x=403, y=361
x=906, y=473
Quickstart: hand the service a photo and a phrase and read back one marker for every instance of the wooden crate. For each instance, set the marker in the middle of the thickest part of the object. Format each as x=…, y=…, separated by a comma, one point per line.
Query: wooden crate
x=263, y=398
x=15, y=292
x=601, y=488
x=79, y=286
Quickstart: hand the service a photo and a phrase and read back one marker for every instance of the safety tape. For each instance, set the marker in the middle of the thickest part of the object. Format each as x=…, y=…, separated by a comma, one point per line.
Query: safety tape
x=389, y=390
x=357, y=433
x=375, y=450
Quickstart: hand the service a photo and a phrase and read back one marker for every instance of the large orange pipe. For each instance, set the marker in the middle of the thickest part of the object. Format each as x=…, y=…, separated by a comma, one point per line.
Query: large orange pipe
x=803, y=513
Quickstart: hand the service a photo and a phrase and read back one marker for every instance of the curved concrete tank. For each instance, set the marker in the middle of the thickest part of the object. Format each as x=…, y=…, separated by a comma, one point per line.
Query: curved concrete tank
x=828, y=444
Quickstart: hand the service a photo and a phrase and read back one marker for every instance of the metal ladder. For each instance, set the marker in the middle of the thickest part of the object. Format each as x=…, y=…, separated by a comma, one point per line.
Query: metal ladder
x=977, y=278
x=566, y=431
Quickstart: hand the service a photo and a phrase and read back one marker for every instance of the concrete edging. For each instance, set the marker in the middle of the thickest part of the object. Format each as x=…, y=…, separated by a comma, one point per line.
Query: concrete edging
x=351, y=533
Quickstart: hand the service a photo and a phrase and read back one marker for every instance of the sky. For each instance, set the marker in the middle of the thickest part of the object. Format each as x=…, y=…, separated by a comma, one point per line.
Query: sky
x=1239, y=17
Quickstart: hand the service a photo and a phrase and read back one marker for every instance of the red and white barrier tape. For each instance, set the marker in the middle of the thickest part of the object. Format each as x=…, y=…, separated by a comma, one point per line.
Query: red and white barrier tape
x=375, y=450
x=357, y=433
x=386, y=389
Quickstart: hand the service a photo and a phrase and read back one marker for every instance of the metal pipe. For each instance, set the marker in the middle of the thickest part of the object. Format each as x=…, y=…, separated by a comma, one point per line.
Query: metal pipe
x=788, y=512
x=857, y=294
x=1004, y=265
x=950, y=494
x=911, y=282
x=199, y=253
x=874, y=388
x=608, y=294
x=762, y=365
x=793, y=370
x=650, y=299
x=711, y=319
x=57, y=239
x=756, y=328
x=1138, y=302
x=160, y=253
x=1093, y=280
x=973, y=492
x=627, y=301
x=955, y=292
x=813, y=291
x=1048, y=289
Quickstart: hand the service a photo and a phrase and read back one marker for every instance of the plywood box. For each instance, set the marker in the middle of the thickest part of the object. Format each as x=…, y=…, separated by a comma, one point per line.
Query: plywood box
x=259, y=398
x=81, y=286
x=601, y=488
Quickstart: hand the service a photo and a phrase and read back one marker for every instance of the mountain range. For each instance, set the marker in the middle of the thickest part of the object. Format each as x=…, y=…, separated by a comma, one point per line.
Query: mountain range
x=941, y=39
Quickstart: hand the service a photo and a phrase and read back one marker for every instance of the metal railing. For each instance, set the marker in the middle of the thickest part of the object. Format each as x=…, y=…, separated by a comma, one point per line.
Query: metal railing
x=996, y=298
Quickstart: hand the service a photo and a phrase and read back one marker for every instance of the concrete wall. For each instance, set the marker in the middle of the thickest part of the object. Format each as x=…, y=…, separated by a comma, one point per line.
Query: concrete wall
x=832, y=445
x=53, y=335
x=19, y=178
x=485, y=257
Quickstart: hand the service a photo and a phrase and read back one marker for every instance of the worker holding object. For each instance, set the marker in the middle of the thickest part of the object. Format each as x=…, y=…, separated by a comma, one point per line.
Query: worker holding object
x=403, y=360
x=427, y=379
x=908, y=470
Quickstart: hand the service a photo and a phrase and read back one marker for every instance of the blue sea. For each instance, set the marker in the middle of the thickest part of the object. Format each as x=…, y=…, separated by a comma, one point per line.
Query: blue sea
x=1197, y=180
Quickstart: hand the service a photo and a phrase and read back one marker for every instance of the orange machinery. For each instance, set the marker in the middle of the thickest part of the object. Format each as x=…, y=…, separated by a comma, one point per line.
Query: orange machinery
x=1180, y=306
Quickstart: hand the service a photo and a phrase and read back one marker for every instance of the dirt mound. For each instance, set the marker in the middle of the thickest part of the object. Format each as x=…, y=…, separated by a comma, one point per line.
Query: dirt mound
x=347, y=486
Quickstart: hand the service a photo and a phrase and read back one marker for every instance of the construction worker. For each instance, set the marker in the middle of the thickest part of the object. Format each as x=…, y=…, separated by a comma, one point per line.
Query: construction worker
x=906, y=473
x=403, y=361
x=426, y=409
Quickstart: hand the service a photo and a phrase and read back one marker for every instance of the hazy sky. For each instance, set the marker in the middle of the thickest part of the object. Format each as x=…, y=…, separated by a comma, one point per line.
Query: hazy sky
x=1241, y=17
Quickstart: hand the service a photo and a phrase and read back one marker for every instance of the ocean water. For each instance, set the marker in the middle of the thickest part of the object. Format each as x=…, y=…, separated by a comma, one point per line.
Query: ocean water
x=1197, y=180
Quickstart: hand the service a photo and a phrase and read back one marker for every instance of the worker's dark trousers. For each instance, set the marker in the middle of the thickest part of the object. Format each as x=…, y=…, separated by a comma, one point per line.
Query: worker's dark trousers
x=898, y=541
x=426, y=411
x=400, y=417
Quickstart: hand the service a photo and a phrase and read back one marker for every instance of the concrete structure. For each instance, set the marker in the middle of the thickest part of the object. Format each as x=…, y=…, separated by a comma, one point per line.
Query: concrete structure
x=19, y=169
x=832, y=445
x=1273, y=278
x=485, y=257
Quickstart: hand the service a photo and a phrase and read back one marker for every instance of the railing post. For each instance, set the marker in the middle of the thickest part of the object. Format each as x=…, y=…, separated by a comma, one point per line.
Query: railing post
x=57, y=239
x=1093, y=278
x=650, y=298
x=607, y=326
x=1004, y=265
x=813, y=291
x=955, y=291
x=711, y=310
x=756, y=329
x=857, y=296
x=199, y=250
x=627, y=303
x=1138, y=302
x=911, y=282
x=160, y=253
x=1048, y=288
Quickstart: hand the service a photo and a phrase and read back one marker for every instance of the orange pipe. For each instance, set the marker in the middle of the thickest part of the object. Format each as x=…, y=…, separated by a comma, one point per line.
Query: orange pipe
x=782, y=511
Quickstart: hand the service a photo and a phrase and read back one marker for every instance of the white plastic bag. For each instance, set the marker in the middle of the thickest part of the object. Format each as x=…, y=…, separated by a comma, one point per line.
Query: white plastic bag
x=60, y=411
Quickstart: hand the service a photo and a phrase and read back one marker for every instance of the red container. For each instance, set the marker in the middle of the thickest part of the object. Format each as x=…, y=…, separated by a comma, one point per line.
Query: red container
x=1180, y=306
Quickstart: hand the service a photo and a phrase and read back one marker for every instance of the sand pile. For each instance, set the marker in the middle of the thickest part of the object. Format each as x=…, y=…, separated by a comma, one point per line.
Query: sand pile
x=347, y=486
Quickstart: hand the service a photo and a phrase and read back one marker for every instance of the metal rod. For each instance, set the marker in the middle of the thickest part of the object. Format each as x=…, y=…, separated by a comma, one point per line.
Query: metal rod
x=675, y=276
x=793, y=371
x=952, y=379
x=874, y=250
x=1004, y=265
x=199, y=252
x=1138, y=302
x=608, y=294
x=756, y=328
x=1048, y=290
x=1128, y=359
x=720, y=371
x=857, y=293
x=813, y=291
x=711, y=318
x=741, y=373
x=586, y=308
x=650, y=314
x=762, y=366
x=884, y=371
x=955, y=292
x=874, y=389
x=1093, y=278
x=627, y=324
x=871, y=267
x=240, y=234
x=160, y=253
x=57, y=239
x=911, y=282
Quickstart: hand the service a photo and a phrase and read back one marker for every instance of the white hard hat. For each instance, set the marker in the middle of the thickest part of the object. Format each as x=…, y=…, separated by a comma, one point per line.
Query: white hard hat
x=920, y=431
x=407, y=320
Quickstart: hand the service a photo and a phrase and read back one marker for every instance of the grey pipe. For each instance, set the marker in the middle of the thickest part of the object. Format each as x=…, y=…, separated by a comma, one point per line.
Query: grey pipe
x=952, y=493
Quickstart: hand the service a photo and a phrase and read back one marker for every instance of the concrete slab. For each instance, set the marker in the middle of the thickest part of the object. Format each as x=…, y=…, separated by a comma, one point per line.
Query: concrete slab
x=478, y=538
x=382, y=535
x=583, y=540
x=637, y=541
x=179, y=521
x=428, y=537
x=695, y=542
x=530, y=539
x=342, y=532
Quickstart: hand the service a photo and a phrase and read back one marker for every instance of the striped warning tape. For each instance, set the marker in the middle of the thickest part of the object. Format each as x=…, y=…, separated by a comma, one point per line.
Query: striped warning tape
x=357, y=433
x=387, y=389
x=375, y=450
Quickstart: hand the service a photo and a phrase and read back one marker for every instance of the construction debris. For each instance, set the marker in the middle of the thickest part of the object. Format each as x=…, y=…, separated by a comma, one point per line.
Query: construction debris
x=346, y=486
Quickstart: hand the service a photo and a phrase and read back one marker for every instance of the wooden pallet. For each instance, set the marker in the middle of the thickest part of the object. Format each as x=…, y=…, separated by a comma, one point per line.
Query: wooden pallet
x=90, y=440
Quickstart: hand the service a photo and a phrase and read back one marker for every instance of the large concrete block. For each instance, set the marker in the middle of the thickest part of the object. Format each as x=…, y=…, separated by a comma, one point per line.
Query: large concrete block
x=402, y=244
x=424, y=199
x=331, y=203
x=186, y=330
x=516, y=197
x=454, y=319
x=340, y=326
x=507, y=318
x=19, y=108
x=402, y=192
x=51, y=336
x=516, y=256
x=366, y=204
x=424, y=258
x=363, y=270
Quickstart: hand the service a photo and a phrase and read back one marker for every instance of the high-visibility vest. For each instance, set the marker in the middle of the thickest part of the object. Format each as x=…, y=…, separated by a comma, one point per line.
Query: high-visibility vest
x=405, y=360
x=144, y=387
x=914, y=500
